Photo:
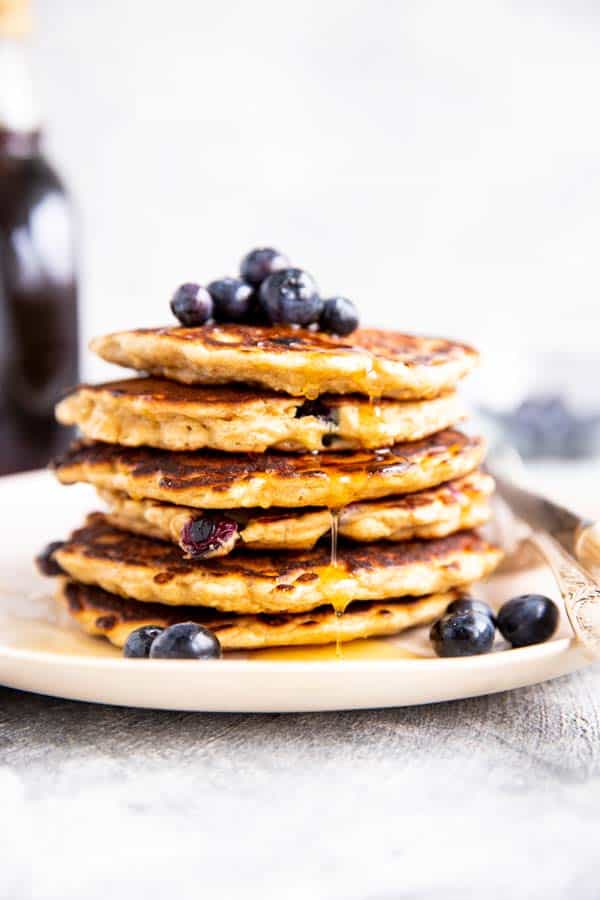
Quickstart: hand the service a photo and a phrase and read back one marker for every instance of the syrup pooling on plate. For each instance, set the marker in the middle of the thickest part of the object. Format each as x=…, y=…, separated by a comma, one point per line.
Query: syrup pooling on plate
x=365, y=649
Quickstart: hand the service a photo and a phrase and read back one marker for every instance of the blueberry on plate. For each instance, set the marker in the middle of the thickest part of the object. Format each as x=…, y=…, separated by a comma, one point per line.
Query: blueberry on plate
x=137, y=645
x=211, y=534
x=259, y=264
x=232, y=299
x=469, y=604
x=463, y=634
x=45, y=561
x=530, y=619
x=186, y=640
x=290, y=297
x=339, y=316
x=192, y=304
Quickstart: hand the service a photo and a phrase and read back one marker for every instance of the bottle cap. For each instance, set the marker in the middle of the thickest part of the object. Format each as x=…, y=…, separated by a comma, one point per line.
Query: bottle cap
x=18, y=110
x=15, y=18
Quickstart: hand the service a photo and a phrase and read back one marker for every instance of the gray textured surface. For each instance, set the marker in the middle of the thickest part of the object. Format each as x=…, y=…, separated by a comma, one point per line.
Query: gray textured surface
x=490, y=797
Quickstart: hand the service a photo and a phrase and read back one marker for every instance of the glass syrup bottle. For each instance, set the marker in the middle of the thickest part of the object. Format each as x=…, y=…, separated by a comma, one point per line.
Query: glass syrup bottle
x=38, y=280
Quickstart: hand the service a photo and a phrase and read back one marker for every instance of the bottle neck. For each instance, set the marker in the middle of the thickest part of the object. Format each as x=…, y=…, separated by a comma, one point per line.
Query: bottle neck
x=19, y=144
x=19, y=117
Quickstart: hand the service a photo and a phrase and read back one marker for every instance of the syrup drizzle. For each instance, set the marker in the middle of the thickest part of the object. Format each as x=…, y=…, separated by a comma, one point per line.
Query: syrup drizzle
x=335, y=530
x=337, y=599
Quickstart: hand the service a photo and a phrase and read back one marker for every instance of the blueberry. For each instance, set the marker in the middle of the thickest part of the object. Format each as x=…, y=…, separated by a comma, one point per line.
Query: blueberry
x=232, y=299
x=339, y=316
x=463, y=634
x=530, y=619
x=186, y=640
x=139, y=642
x=208, y=535
x=259, y=264
x=319, y=410
x=291, y=297
x=544, y=426
x=468, y=604
x=45, y=561
x=192, y=304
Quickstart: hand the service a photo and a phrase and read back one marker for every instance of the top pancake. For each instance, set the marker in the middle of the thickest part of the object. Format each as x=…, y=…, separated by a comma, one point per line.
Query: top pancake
x=293, y=360
x=156, y=412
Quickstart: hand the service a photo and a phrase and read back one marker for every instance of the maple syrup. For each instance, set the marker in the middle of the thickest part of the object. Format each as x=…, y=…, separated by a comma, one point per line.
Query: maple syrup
x=370, y=416
x=364, y=648
x=335, y=530
x=38, y=288
x=338, y=591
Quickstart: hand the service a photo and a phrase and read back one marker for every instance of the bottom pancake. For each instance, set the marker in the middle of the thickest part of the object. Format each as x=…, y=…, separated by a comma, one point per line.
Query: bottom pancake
x=153, y=571
x=98, y=612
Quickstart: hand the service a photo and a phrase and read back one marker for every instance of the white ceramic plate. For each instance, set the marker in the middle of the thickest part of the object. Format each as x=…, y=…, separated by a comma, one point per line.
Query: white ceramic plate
x=41, y=652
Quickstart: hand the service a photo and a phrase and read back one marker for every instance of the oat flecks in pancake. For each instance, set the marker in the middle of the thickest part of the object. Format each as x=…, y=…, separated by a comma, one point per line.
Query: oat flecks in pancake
x=155, y=412
x=216, y=481
x=101, y=613
x=295, y=361
x=437, y=512
x=154, y=571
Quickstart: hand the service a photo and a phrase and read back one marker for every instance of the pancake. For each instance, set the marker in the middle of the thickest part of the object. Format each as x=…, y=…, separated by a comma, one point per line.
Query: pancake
x=159, y=413
x=99, y=613
x=154, y=571
x=216, y=481
x=297, y=361
x=437, y=512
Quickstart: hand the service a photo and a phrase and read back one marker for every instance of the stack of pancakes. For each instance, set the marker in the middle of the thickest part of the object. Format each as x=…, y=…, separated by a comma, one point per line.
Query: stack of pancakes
x=231, y=469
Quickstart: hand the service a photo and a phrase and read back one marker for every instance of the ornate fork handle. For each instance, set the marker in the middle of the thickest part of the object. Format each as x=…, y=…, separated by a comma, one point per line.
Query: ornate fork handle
x=580, y=592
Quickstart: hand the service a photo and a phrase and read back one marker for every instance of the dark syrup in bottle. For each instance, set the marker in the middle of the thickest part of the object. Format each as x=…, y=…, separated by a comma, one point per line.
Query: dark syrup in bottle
x=38, y=284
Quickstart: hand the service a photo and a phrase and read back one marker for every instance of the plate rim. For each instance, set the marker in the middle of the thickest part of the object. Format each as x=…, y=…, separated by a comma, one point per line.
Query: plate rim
x=550, y=647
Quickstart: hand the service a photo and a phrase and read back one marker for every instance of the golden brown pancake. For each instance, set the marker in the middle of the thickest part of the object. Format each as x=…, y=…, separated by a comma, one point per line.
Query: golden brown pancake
x=437, y=512
x=216, y=481
x=294, y=360
x=155, y=571
x=160, y=413
x=99, y=613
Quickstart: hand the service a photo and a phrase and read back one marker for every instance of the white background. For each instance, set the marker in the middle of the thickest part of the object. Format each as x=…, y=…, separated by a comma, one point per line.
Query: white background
x=437, y=162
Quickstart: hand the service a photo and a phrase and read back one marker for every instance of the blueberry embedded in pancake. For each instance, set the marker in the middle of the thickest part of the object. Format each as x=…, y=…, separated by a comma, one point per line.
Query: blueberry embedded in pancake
x=215, y=481
x=203, y=534
x=150, y=570
x=101, y=613
x=296, y=361
x=235, y=418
